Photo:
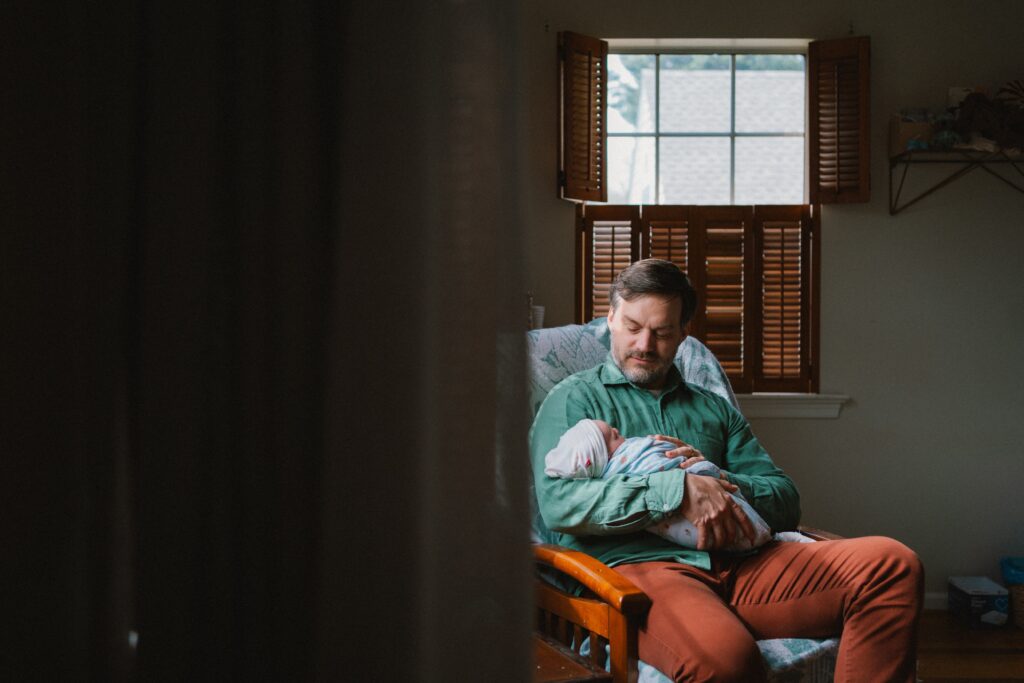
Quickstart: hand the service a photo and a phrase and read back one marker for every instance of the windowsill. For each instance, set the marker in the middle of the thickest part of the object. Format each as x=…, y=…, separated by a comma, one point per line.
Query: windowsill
x=815, y=406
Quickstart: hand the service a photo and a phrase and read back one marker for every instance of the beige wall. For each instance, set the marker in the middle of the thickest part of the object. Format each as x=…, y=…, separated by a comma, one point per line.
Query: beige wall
x=921, y=312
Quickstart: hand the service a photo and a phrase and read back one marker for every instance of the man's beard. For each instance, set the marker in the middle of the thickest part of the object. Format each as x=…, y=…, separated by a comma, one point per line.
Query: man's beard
x=644, y=377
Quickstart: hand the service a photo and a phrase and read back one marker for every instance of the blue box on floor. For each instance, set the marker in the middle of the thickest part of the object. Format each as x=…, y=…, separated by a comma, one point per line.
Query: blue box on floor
x=978, y=601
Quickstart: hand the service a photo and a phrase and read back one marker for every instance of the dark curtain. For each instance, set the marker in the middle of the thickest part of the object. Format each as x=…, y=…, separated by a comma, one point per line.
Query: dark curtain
x=264, y=416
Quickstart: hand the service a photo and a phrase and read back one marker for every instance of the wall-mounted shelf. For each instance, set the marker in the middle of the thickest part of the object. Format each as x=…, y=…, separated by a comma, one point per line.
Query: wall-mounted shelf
x=964, y=160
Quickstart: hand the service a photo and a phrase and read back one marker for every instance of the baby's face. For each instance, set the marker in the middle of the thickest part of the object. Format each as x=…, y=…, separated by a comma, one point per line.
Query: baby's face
x=611, y=435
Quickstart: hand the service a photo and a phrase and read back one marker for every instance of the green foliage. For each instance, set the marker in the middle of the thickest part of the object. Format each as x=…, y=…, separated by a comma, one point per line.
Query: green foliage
x=624, y=94
x=770, y=63
x=696, y=62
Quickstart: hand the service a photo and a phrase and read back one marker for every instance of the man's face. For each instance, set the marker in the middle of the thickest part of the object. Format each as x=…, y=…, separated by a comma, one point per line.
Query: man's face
x=645, y=335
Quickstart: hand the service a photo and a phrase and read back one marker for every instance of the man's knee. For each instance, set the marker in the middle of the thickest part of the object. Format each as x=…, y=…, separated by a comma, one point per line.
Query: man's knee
x=892, y=561
x=900, y=558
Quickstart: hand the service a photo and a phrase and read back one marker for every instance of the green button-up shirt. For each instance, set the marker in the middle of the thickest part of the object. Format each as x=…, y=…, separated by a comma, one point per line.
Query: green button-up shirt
x=606, y=518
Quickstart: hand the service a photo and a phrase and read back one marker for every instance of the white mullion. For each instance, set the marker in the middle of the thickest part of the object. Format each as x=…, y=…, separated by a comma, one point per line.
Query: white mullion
x=657, y=128
x=732, y=128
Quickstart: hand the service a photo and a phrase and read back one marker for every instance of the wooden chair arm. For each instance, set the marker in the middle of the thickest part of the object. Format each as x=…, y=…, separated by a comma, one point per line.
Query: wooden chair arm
x=818, y=534
x=606, y=583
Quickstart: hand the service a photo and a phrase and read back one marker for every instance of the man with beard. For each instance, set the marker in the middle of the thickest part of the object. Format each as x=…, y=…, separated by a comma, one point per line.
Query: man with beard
x=708, y=608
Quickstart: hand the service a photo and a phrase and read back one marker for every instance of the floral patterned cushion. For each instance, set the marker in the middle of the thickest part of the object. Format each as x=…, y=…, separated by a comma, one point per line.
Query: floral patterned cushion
x=554, y=353
x=788, y=660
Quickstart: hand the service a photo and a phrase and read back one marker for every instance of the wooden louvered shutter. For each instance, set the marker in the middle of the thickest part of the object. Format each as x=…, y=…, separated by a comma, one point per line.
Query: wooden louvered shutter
x=786, y=345
x=609, y=241
x=583, y=65
x=839, y=120
x=755, y=270
x=665, y=233
x=723, y=257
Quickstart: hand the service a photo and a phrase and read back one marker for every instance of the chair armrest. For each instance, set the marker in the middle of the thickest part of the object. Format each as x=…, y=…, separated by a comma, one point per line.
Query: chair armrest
x=606, y=583
x=818, y=534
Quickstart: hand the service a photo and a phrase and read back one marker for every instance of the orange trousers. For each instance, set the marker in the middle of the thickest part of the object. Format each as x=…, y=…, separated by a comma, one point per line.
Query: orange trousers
x=702, y=625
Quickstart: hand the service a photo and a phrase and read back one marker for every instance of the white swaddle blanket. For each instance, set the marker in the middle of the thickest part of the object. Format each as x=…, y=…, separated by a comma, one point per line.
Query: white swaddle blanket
x=581, y=453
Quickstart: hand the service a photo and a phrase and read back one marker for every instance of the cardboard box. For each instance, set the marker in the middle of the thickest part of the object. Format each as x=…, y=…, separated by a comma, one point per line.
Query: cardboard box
x=978, y=601
x=904, y=135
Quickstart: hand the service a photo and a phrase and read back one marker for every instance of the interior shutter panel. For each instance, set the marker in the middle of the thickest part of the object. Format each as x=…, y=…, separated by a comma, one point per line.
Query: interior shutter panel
x=665, y=234
x=726, y=256
x=783, y=241
x=583, y=63
x=839, y=120
x=610, y=241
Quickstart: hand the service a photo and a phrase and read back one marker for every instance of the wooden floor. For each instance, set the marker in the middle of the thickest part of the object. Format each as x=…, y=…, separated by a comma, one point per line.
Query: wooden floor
x=951, y=653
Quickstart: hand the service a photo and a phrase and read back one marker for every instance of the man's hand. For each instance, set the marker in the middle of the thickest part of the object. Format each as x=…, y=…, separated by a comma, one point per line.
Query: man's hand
x=716, y=514
x=682, y=449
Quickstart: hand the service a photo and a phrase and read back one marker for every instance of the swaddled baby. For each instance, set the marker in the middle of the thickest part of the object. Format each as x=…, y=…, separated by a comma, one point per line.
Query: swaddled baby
x=593, y=448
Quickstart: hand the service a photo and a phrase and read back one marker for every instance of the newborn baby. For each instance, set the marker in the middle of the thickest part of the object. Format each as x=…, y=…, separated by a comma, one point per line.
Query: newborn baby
x=593, y=448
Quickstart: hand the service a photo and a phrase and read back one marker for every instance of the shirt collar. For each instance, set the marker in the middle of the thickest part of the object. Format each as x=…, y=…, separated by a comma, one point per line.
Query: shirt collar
x=611, y=374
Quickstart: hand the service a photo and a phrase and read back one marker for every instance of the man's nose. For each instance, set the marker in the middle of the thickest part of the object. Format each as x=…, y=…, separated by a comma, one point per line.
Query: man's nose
x=646, y=340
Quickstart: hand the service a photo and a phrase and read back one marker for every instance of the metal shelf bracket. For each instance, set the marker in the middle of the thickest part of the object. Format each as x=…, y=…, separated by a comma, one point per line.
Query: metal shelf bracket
x=965, y=160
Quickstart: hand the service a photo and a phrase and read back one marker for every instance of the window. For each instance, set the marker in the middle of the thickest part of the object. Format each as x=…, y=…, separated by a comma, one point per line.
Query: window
x=703, y=157
x=706, y=128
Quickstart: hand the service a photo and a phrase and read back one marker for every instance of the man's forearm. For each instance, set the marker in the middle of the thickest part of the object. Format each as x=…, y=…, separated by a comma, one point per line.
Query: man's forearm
x=619, y=504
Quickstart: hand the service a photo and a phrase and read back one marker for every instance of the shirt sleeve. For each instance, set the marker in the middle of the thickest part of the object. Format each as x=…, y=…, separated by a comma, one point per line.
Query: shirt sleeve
x=618, y=504
x=765, y=486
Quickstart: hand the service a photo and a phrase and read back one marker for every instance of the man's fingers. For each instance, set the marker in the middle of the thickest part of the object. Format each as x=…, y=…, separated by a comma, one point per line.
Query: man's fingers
x=693, y=460
x=717, y=516
x=727, y=531
x=745, y=524
x=669, y=439
x=705, y=535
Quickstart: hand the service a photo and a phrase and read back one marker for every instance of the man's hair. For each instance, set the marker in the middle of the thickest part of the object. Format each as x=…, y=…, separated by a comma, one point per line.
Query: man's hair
x=654, y=276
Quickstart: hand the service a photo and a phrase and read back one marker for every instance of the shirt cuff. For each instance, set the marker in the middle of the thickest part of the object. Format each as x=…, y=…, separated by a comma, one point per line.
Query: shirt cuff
x=665, y=492
x=743, y=483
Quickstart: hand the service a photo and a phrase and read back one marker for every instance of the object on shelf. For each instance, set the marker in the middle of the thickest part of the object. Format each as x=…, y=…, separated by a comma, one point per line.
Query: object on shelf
x=956, y=94
x=536, y=317
x=1013, y=577
x=945, y=140
x=978, y=601
x=1012, y=93
x=999, y=121
x=534, y=313
x=980, y=143
x=908, y=135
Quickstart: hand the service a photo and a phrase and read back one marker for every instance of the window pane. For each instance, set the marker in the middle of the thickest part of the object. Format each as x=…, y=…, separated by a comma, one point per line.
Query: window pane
x=630, y=170
x=694, y=170
x=631, y=93
x=769, y=170
x=695, y=94
x=770, y=93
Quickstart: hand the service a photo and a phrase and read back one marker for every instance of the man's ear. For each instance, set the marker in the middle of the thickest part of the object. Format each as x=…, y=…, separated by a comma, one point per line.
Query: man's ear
x=611, y=314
